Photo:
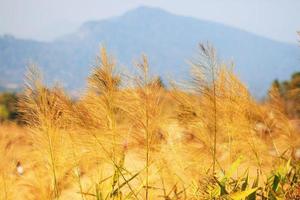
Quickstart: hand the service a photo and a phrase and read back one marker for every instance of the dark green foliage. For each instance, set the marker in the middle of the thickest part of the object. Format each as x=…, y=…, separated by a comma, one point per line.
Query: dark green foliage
x=8, y=106
x=284, y=182
x=289, y=91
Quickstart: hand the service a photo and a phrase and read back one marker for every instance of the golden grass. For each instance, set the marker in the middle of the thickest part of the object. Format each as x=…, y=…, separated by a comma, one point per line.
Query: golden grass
x=137, y=140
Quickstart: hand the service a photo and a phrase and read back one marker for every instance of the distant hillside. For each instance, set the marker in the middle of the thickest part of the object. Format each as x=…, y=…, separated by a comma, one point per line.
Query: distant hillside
x=169, y=41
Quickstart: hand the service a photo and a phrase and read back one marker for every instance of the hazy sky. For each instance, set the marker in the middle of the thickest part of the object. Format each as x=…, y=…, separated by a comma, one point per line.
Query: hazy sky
x=47, y=19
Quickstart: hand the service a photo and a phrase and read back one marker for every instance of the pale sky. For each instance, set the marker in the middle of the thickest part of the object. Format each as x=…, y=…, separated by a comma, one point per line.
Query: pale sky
x=48, y=19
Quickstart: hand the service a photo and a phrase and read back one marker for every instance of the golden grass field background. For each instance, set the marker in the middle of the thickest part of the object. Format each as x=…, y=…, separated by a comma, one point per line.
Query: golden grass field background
x=128, y=137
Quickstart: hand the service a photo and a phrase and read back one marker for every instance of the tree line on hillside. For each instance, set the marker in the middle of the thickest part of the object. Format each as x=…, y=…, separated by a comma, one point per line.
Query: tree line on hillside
x=289, y=91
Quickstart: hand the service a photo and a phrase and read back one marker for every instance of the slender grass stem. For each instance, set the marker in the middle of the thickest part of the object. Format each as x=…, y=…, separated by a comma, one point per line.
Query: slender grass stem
x=56, y=192
x=215, y=118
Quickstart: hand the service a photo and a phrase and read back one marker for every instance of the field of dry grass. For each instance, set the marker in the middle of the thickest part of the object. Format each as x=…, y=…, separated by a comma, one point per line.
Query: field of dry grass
x=127, y=137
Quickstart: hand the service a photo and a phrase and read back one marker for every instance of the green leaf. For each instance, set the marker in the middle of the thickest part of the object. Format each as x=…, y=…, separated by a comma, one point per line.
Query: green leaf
x=275, y=183
x=223, y=190
x=233, y=168
x=245, y=184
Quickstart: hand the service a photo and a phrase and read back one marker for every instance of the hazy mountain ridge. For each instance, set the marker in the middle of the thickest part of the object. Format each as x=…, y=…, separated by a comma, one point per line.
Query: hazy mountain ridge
x=168, y=40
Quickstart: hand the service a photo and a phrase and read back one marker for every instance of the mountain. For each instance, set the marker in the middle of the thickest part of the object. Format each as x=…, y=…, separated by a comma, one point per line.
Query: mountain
x=168, y=40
